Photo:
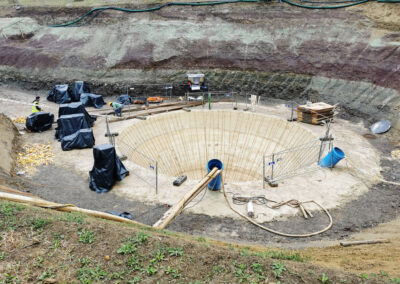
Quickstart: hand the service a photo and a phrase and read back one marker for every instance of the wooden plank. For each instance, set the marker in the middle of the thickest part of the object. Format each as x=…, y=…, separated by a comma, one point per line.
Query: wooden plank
x=316, y=107
x=133, y=109
x=156, y=111
x=366, y=242
x=189, y=196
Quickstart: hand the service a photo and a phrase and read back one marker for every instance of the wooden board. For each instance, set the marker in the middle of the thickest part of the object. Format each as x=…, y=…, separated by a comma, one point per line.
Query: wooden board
x=313, y=118
x=319, y=107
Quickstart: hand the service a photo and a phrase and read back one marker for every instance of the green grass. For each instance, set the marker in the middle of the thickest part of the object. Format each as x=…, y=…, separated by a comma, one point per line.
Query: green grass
x=278, y=268
x=8, y=213
x=39, y=224
x=73, y=217
x=86, y=236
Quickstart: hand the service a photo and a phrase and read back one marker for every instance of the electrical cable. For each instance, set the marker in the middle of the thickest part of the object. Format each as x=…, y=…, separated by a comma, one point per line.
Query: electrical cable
x=279, y=204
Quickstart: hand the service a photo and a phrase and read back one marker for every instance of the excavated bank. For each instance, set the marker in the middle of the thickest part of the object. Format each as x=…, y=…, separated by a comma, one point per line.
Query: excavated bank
x=9, y=141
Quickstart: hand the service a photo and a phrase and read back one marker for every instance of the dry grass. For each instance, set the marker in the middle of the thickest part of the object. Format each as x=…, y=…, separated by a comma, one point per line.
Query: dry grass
x=46, y=246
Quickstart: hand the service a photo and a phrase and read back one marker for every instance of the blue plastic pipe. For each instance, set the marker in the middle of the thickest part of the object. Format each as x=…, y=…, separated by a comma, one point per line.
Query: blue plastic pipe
x=332, y=158
x=215, y=184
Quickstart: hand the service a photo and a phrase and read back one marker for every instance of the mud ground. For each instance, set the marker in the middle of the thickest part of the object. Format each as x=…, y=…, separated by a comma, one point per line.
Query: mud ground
x=380, y=204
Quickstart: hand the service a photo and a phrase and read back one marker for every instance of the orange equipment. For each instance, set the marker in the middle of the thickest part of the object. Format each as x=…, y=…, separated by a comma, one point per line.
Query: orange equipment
x=155, y=100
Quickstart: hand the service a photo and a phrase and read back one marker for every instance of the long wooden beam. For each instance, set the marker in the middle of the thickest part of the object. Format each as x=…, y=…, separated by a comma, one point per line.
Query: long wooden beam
x=187, y=198
x=63, y=207
x=155, y=111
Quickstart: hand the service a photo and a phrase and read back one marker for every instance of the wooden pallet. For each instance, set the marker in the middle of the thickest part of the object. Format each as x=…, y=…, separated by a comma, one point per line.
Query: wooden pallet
x=315, y=113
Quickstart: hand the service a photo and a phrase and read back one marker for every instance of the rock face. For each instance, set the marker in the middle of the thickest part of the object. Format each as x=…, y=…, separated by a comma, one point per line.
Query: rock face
x=269, y=49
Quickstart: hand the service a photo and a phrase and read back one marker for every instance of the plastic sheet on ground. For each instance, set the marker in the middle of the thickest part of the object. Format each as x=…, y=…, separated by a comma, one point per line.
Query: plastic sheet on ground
x=59, y=94
x=73, y=108
x=69, y=124
x=92, y=100
x=107, y=169
x=79, y=88
x=81, y=139
x=126, y=215
x=125, y=99
x=39, y=121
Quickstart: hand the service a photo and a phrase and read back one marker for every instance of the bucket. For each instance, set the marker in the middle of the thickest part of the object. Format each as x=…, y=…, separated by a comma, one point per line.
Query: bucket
x=215, y=184
x=332, y=158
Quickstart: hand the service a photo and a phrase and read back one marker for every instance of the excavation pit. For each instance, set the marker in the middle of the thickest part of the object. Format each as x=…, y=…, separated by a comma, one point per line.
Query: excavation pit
x=183, y=142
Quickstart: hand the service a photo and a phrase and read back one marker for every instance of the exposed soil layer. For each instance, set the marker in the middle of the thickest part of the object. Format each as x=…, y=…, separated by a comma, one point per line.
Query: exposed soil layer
x=9, y=140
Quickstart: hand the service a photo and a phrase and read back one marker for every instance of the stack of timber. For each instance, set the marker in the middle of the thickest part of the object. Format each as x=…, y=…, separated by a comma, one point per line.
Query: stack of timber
x=315, y=113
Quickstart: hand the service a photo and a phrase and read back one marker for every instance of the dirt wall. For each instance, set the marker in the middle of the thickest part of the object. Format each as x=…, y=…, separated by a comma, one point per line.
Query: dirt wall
x=9, y=137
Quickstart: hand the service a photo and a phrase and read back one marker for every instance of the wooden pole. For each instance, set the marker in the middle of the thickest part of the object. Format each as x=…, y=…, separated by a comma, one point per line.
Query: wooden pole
x=64, y=207
x=189, y=196
x=366, y=242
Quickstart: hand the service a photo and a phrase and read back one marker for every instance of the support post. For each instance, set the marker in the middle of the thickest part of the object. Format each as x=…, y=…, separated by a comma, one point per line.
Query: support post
x=156, y=177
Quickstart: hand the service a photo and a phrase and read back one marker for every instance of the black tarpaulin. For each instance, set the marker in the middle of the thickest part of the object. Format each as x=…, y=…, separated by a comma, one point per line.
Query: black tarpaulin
x=81, y=139
x=73, y=108
x=92, y=100
x=59, y=94
x=69, y=124
x=125, y=99
x=39, y=121
x=79, y=88
x=107, y=169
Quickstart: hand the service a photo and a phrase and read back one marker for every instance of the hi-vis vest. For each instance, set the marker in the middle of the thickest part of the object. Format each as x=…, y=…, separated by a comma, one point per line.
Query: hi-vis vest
x=34, y=106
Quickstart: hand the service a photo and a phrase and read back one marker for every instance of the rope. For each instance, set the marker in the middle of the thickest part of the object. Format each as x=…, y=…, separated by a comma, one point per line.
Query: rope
x=325, y=7
x=280, y=204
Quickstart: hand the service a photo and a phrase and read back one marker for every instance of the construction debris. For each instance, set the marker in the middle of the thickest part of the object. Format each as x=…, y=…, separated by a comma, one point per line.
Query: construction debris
x=366, y=242
x=34, y=155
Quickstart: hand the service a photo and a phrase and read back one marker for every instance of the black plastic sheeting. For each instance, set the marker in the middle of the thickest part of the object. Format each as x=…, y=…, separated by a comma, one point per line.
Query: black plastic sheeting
x=92, y=100
x=81, y=139
x=39, y=121
x=73, y=108
x=125, y=99
x=126, y=215
x=59, y=94
x=79, y=88
x=69, y=124
x=107, y=169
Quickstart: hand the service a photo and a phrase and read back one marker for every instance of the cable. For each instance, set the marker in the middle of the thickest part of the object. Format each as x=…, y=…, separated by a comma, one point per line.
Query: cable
x=204, y=194
x=101, y=9
x=325, y=7
x=277, y=232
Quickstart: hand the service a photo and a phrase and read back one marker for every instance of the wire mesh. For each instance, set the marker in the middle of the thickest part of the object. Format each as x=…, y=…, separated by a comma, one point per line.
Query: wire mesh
x=149, y=176
x=292, y=162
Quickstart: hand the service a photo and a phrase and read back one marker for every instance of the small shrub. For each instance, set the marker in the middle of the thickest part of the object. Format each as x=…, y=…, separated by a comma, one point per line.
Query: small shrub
x=175, y=251
x=278, y=268
x=324, y=279
x=86, y=236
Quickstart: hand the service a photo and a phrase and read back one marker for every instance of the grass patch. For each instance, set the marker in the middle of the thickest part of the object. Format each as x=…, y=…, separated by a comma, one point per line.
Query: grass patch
x=39, y=224
x=8, y=212
x=73, y=217
x=86, y=236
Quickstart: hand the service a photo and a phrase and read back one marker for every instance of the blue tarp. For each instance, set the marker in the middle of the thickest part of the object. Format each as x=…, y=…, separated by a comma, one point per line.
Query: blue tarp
x=39, y=121
x=79, y=88
x=107, y=169
x=59, y=94
x=69, y=124
x=81, y=139
x=73, y=108
x=88, y=99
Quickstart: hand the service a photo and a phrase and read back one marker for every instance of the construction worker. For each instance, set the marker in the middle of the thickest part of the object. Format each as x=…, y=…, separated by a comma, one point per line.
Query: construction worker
x=117, y=108
x=35, y=105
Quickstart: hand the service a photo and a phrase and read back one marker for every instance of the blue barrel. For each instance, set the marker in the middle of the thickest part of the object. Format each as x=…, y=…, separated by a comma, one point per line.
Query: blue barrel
x=215, y=184
x=332, y=158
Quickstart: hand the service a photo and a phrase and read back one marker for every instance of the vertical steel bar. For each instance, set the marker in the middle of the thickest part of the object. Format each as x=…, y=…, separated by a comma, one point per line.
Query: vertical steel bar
x=263, y=176
x=156, y=177
x=272, y=167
